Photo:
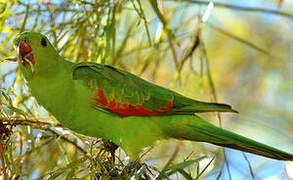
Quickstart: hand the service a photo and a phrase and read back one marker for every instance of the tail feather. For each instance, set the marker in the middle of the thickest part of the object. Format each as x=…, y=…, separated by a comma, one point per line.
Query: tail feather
x=198, y=107
x=264, y=151
x=185, y=105
x=197, y=129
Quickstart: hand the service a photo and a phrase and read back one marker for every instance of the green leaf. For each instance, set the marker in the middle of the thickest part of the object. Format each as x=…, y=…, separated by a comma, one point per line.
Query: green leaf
x=180, y=166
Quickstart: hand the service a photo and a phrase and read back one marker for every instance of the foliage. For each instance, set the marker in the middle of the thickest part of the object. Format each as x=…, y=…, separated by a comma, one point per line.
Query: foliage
x=237, y=57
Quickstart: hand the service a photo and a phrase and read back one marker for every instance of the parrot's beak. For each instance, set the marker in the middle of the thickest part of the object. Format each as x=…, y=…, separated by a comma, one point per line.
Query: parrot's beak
x=24, y=53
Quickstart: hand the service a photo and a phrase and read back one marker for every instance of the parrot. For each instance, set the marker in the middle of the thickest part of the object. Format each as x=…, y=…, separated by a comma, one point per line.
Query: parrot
x=99, y=100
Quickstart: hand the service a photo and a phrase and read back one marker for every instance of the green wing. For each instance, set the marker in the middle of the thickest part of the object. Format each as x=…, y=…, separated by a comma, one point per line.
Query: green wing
x=126, y=94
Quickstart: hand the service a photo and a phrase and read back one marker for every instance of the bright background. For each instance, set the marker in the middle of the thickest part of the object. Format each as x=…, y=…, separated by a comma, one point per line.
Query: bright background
x=245, y=52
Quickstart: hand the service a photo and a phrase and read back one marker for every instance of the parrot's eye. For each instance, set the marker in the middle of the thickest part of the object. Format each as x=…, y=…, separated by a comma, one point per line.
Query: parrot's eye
x=44, y=42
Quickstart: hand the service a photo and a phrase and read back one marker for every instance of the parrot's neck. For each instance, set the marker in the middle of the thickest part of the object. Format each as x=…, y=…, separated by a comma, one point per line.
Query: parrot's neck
x=52, y=88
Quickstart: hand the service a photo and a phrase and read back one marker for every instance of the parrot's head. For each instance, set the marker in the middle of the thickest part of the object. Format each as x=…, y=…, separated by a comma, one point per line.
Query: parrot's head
x=35, y=54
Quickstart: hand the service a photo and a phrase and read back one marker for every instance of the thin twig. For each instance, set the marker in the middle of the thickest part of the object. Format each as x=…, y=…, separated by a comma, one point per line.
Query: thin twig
x=227, y=164
x=205, y=168
x=249, y=166
x=39, y=125
x=69, y=141
x=171, y=37
x=26, y=122
x=3, y=169
x=214, y=94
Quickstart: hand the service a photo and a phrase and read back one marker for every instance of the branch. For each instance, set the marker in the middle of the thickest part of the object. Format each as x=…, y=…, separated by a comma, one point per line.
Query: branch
x=69, y=141
x=3, y=169
x=25, y=122
x=39, y=125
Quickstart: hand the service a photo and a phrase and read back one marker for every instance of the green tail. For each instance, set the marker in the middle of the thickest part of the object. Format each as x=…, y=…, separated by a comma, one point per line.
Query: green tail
x=185, y=105
x=198, y=107
x=196, y=129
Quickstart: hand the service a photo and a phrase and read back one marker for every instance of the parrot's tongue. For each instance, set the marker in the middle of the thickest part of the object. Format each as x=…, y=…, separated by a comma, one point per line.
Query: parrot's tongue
x=25, y=54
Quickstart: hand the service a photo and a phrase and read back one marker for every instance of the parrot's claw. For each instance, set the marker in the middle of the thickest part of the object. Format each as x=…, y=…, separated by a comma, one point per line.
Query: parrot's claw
x=111, y=147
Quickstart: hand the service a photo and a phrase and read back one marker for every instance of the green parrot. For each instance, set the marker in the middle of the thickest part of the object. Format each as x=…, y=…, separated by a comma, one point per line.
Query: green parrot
x=101, y=101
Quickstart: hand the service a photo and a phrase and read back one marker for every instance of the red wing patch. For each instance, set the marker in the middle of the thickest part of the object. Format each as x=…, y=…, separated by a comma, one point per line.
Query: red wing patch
x=127, y=109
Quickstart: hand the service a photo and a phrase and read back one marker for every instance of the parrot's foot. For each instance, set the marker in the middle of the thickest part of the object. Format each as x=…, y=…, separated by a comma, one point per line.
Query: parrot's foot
x=111, y=147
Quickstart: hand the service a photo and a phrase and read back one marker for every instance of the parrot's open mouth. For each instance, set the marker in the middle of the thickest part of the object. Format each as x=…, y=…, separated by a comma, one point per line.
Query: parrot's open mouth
x=25, y=54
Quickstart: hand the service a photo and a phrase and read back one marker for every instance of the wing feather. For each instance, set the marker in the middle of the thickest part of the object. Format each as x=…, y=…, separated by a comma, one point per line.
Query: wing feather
x=119, y=87
x=126, y=94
